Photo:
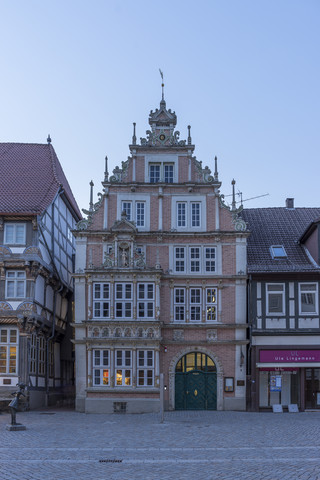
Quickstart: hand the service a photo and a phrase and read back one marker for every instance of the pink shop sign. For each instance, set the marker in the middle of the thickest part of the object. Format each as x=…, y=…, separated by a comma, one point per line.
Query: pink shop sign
x=286, y=356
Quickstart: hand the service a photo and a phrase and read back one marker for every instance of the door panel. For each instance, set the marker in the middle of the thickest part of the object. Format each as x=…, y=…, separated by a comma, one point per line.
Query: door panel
x=196, y=394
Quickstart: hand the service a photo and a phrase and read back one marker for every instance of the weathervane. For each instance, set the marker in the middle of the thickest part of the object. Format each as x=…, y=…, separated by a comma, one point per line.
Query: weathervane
x=162, y=84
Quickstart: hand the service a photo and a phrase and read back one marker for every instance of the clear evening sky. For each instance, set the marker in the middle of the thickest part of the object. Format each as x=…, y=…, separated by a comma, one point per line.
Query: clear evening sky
x=244, y=74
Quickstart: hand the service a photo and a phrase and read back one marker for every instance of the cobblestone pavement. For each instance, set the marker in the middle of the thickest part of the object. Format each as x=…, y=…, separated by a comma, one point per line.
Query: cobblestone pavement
x=66, y=445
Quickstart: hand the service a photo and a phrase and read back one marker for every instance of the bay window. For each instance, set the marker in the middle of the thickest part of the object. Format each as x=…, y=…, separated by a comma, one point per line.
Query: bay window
x=15, y=284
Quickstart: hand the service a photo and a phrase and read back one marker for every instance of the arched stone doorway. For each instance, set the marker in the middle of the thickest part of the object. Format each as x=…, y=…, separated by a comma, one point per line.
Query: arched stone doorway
x=195, y=382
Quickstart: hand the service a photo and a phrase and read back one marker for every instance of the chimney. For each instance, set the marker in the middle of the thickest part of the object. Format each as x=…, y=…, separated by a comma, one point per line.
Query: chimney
x=289, y=202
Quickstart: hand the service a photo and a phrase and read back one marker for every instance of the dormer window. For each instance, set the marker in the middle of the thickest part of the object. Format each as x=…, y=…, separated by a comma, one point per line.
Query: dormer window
x=278, y=252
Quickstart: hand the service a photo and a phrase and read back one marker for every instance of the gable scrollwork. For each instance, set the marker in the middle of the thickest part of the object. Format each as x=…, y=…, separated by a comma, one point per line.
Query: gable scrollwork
x=204, y=174
x=85, y=223
x=119, y=174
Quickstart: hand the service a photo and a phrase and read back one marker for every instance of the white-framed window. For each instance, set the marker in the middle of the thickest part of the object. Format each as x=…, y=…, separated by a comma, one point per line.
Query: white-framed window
x=161, y=172
x=275, y=299
x=140, y=214
x=181, y=214
x=195, y=259
x=123, y=368
x=127, y=208
x=101, y=300
x=180, y=259
x=123, y=300
x=187, y=214
x=145, y=300
x=145, y=368
x=135, y=210
x=308, y=298
x=154, y=172
x=15, y=233
x=195, y=304
x=210, y=259
x=8, y=351
x=211, y=304
x=101, y=367
x=168, y=171
x=195, y=214
x=179, y=304
x=15, y=284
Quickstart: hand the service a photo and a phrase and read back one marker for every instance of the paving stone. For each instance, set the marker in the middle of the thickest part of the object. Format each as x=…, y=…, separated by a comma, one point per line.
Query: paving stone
x=68, y=445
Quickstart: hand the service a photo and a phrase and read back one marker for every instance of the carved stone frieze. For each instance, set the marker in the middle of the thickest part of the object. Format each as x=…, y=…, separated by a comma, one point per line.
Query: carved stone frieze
x=178, y=335
x=212, y=335
x=124, y=332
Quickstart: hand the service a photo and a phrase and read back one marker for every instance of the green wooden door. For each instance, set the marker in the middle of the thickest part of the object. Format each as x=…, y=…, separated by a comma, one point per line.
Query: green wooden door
x=195, y=383
x=196, y=391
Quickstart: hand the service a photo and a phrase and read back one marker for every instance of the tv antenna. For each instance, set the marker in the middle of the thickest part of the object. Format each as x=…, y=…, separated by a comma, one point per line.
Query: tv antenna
x=239, y=194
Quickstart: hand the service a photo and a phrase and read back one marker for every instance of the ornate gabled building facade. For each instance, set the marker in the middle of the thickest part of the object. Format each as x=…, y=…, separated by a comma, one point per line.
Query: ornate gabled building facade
x=37, y=215
x=283, y=313
x=160, y=284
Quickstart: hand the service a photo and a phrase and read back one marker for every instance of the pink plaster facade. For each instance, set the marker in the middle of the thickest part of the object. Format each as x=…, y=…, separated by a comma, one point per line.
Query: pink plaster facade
x=160, y=277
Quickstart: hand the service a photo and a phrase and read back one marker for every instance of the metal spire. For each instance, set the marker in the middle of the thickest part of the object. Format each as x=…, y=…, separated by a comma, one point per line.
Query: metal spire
x=162, y=85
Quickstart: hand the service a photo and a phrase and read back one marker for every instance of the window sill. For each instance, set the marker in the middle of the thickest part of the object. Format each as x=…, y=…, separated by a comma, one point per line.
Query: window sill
x=125, y=389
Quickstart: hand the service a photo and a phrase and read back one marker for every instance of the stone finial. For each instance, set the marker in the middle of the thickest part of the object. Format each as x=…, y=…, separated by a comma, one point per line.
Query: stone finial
x=49, y=139
x=134, y=138
x=233, y=206
x=91, y=196
x=189, y=135
x=106, y=173
x=216, y=168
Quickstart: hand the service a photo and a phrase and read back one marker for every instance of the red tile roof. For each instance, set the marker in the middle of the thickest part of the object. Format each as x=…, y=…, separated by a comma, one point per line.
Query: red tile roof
x=30, y=177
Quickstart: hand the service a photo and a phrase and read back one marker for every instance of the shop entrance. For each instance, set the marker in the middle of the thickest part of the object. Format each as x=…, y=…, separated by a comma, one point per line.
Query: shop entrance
x=312, y=383
x=196, y=383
